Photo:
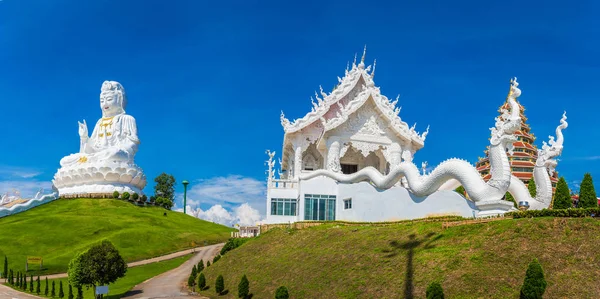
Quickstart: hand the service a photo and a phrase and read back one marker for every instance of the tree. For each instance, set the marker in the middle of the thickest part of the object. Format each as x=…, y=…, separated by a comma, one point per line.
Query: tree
x=164, y=190
x=11, y=277
x=24, y=283
x=534, y=285
x=144, y=198
x=207, y=264
x=70, y=292
x=125, y=195
x=461, y=190
x=587, y=193
x=194, y=272
x=53, y=290
x=244, y=287
x=201, y=282
x=116, y=194
x=101, y=264
x=5, y=272
x=164, y=202
x=135, y=196
x=200, y=266
x=80, y=292
x=61, y=293
x=282, y=293
x=220, y=284
x=434, y=291
x=531, y=187
x=46, y=288
x=562, y=195
x=31, y=284
x=38, y=287
x=191, y=281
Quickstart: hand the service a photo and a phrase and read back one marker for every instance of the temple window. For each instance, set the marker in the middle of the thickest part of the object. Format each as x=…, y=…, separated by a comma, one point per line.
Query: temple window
x=347, y=203
x=283, y=206
x=319, y=207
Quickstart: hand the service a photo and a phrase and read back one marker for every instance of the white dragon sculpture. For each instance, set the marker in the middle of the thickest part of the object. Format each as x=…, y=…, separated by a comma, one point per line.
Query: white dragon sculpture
x=544, y=168
x=462, y=171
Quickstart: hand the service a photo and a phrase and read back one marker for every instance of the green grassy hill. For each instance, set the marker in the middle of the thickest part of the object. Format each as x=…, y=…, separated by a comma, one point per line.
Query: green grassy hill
x=58, y=230
x=399, y=261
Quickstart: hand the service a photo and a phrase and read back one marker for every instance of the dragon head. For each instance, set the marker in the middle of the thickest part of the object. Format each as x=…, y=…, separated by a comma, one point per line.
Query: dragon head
x=552, y=149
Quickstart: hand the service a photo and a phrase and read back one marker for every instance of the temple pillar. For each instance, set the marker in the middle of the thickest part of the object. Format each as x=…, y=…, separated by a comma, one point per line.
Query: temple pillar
x=333, y=157
x=297, y=161
x=395, y=156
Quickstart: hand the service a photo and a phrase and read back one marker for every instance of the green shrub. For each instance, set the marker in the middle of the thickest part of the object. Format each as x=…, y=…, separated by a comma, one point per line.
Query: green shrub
x=243, y=287
x=282, y=293
x=144, y=198
x=201, y=282
x=534, y=285
x=216, y=258
x=200, y=266
x=207, y=264
x=574, y=213
x=38, y=287
x=135, y=196
x=80, y=292
x=70, y=292
x=587, y=193
x=435, y=291
x=116, y=194
x=31, y=284
x=125, y=195
x=220, y=284
x=194, y=272
x=191, y=281
x=61, y=293
x=52, y=291
x=232, y=244
x=46, y=288
x=562, y=195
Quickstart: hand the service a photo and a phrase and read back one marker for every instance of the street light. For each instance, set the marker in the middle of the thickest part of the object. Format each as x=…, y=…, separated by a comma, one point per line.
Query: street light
x=185, y=183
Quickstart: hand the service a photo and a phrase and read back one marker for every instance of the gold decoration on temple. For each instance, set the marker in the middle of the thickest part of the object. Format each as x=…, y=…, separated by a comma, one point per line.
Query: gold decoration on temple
x=82, y=159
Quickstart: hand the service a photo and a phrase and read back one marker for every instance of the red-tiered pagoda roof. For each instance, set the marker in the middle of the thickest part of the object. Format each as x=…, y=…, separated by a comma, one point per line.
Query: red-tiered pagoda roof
x=523, y=149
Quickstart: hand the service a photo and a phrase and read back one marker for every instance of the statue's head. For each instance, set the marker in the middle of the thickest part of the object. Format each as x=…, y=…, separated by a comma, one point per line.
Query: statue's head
x=112, y=99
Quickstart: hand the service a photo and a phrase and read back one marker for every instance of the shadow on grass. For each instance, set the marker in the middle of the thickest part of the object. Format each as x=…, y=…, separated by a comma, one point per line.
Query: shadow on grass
x=410, y=246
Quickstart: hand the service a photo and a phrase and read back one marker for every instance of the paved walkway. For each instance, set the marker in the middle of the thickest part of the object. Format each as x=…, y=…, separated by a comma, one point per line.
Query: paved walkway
x=172, y=284
x=206, y=253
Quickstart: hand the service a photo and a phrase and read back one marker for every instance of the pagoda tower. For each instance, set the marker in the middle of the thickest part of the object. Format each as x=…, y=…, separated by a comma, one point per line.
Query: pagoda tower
x=525, y=153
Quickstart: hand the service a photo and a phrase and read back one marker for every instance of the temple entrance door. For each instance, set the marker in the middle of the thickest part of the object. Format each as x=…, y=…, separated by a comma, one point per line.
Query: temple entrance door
x=349, y=168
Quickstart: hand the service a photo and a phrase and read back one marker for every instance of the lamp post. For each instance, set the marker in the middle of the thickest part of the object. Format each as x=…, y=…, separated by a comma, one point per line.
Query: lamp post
x=185, y=183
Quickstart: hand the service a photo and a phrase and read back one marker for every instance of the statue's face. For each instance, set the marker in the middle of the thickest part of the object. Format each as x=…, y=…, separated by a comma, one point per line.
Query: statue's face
x=109, y=104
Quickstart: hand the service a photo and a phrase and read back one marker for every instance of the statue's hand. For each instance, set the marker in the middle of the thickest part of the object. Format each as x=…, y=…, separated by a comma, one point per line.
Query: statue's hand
x=83, y=130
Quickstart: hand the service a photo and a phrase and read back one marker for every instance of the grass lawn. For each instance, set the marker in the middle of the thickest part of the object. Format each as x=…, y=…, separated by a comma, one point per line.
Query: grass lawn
x=57, y=230
x=399, y=261
x=134, y=276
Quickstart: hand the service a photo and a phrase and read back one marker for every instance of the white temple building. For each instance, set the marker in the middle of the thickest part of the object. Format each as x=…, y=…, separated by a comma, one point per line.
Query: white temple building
x=347, y=130
x=351, y=159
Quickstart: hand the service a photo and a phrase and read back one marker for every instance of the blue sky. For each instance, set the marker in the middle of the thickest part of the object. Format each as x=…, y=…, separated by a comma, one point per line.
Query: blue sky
x=206, y=80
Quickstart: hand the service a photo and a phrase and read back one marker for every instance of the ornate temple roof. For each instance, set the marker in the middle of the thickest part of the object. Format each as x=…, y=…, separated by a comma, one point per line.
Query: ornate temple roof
x=353, y=90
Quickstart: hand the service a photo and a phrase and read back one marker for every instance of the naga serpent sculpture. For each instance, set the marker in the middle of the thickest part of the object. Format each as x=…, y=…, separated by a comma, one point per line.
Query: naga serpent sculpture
x=462, y=171
x=544, y=168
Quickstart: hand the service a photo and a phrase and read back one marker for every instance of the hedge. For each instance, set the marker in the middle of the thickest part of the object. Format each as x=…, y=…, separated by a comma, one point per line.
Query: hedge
x=589, y=212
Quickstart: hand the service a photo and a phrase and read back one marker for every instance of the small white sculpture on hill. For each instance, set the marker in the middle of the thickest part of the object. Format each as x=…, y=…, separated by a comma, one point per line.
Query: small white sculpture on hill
x=105, y=161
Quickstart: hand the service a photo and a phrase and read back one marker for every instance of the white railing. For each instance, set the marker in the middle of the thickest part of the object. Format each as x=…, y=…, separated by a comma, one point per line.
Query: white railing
x=283, y=184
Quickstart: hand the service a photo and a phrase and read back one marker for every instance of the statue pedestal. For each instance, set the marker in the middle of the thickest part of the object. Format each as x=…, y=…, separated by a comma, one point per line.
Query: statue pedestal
x=99, y=179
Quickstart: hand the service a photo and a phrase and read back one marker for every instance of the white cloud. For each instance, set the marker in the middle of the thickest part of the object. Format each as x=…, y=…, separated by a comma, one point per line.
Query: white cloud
x=18, y=172
x=228, y=192
x=244, y=215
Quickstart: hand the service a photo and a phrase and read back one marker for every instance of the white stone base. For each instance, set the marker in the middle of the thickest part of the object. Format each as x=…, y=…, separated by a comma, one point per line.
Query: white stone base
x=86, y=179
x=494, y=208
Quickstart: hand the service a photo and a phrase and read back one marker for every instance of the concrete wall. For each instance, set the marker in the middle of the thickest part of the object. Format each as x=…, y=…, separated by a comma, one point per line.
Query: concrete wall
x=370, y=204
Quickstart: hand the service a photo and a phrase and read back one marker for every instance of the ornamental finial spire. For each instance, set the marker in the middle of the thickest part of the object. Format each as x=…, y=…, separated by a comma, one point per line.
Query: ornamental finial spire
x=354, y=62
x=362, y=60
x=374, y=65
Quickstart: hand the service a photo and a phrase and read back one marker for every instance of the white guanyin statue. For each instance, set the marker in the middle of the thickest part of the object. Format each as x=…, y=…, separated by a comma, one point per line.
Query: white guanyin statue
x=105, y=161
